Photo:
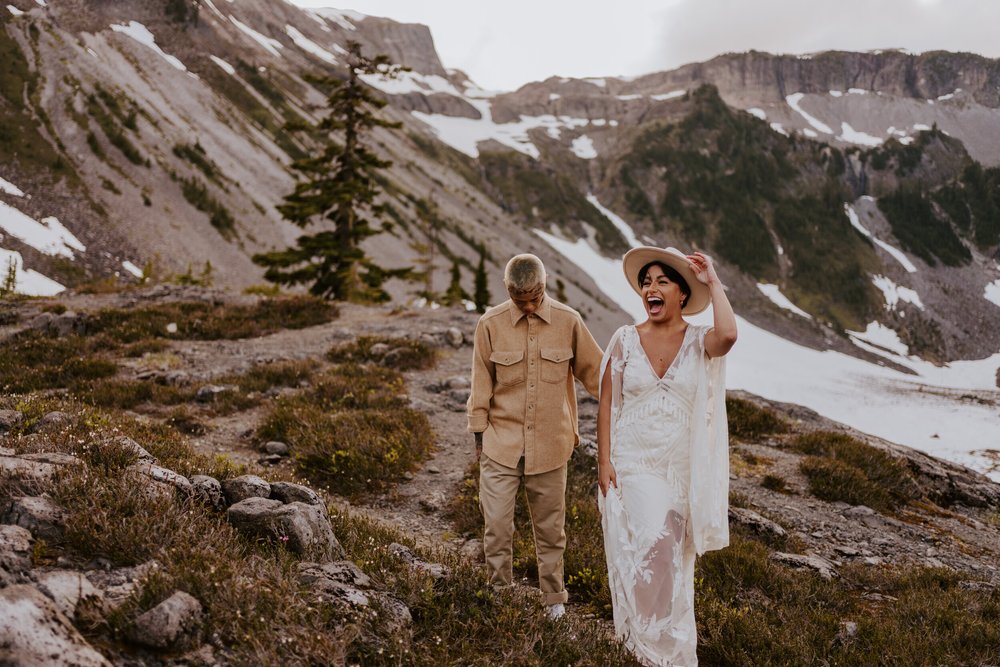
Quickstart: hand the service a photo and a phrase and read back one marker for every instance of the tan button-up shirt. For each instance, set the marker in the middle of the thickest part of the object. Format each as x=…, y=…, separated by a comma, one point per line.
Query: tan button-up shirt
x=523, y=397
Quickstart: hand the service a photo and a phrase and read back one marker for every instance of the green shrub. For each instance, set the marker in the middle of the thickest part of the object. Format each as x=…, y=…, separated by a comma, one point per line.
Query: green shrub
x=403, y=354
x=833, y=480
x=749, y=422
x=878, y=467
x=920, y=231
x=775, y=483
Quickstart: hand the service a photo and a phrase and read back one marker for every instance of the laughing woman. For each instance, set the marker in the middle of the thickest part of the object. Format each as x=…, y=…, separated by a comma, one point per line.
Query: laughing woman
x=662, y=443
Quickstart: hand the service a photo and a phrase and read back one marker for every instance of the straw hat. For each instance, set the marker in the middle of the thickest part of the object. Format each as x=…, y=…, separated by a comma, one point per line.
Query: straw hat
x=636, y=258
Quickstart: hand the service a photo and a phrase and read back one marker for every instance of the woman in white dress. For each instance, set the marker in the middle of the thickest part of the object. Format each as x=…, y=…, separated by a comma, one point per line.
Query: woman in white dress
x=662, y=442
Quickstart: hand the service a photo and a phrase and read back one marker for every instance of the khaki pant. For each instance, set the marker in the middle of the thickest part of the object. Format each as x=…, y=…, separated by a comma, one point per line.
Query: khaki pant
x=546, y=492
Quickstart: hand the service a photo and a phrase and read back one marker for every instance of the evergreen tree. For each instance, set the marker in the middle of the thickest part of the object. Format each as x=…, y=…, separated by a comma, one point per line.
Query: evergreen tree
x=455, y=294
x=481, y=293
x=340, y=186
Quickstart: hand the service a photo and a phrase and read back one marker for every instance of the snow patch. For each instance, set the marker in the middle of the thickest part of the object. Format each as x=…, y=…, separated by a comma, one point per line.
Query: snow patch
x=226, y=67
x=309, y=46
x=920, y=127
x=583, y=147
x=756, y=111
x=269, y=45
x=48, y=236
x=992, y=292
x=850, y=135
x=881, y=336
x=857, y=91
x=668, y=96
x=14, y=10
x=141, y=34
x=779, y=129
x=597, y=81
x=836, y=93
x=793, y=101
x=893, y=293
x=341, y=17
x=132, y=268
x=809, y=133
x=411, y=82
x=616, y=220
x=463, y=134
x=26, y=281
x=626, y=98
x=897, y=254
x=773, y=293
x=10, y=188
x=554, y=96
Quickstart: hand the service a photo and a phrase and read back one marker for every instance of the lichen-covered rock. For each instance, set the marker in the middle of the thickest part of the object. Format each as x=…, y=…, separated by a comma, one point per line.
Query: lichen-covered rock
x=405, y=555
x=807, y=561
x=172, y=624
x=9, y=420
x=303, y=529
x=134, y=447
x=15, y=554
x=34, y=633
x=52, y=422
x=287, y=492
x=755, y=522
x=208, y=490
x=72, y=592
x=32, y=473
x=338, y=582
x=275, y=447
x=38, y=514
x=160, y=482
x=243, y=487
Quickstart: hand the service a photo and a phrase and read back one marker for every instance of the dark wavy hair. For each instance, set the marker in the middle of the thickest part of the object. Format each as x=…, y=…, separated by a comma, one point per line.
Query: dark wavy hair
x=671, y=273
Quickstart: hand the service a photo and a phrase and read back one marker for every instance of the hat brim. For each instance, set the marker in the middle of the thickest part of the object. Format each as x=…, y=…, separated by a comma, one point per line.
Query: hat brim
x=636, y=258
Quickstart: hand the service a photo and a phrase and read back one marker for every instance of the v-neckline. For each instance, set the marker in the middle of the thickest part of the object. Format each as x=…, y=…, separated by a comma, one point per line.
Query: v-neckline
x=649, y=364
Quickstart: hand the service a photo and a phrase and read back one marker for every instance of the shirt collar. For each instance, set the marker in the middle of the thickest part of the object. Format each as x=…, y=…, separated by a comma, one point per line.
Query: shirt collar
x=544, y=311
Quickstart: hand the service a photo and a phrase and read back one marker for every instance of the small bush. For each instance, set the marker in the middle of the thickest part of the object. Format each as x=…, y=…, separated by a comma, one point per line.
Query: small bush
x=749, y=422
x=775, y=483
x=402, y=354
x=878, y=467
x=833, y=480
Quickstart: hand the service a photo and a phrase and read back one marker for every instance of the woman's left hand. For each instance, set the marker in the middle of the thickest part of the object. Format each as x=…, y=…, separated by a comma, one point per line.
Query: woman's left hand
x=704, y=269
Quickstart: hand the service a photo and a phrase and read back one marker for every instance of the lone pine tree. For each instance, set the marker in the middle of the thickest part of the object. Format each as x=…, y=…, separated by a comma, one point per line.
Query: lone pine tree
x=340, y=186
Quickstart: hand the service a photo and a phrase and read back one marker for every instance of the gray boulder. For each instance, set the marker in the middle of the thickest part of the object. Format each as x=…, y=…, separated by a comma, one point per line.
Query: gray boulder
x=9, y=420
x=52, y=422
x=755, y=522
x=303, y=529
x=208, y=490
x=275, y=447
x=37, y=514
x=243, y=487
x=31, y=473
x=117, y=586
x=172, y=624
x=73, y=593
x=338, y=582
x=287, y=492
x=820, y=565
x=130, y=445
x=454, y=337
x=15, y=554
x=34, y=633
x=404, y=554
x=158, y=482
x=210, y=392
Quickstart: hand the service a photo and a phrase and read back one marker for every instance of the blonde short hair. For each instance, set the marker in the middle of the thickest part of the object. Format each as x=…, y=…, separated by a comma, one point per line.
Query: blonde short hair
x=523, y=273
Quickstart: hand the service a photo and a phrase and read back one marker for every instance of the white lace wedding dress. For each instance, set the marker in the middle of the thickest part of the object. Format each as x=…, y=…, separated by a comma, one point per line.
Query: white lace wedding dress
x=670, y=455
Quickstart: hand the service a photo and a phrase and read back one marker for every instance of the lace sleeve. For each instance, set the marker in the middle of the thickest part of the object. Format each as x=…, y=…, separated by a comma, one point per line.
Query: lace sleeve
x=615, y=359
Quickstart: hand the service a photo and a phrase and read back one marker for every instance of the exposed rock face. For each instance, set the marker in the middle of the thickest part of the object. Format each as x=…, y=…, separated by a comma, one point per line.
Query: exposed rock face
x=36, y=634
x=25, y=473
x=304, y=529
x=408, y=44
x=172, y=624
x=810, y=561
x=755, y=522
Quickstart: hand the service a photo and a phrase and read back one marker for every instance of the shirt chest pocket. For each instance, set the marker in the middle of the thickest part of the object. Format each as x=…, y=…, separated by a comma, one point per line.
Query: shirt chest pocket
x=509, y=367
x=555, y=363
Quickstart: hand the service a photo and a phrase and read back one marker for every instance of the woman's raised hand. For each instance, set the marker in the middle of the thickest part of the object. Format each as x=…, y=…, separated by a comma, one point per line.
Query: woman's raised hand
x=704, y=269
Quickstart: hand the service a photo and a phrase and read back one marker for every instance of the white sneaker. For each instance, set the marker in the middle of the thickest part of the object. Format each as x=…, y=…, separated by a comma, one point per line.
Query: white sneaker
x=556, y=611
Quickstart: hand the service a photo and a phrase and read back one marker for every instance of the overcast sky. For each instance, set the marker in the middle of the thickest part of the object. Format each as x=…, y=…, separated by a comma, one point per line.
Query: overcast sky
x=503, y=44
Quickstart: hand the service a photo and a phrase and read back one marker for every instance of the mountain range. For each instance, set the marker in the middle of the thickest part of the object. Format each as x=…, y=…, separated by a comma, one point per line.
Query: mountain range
x=852, y=200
